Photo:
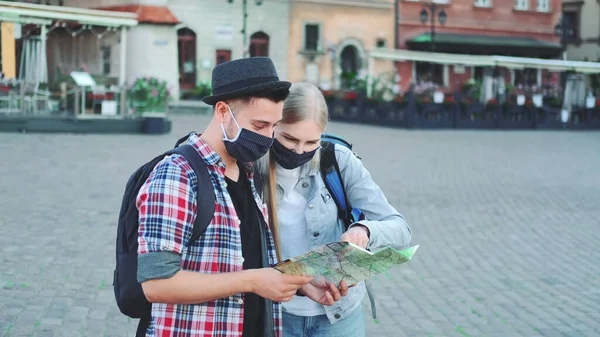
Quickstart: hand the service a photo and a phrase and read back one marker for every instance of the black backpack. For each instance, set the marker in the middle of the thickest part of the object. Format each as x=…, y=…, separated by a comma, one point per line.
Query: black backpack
x=128, y=292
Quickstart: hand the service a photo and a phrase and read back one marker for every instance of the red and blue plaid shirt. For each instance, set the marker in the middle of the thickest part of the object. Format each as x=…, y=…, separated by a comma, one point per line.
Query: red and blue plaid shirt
x=167, y=211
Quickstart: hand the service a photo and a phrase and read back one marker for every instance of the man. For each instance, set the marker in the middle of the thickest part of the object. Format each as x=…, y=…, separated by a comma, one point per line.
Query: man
x=220, y=285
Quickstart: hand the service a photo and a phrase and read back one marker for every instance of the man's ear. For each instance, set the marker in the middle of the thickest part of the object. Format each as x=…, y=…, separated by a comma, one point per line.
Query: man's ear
x=221, y=110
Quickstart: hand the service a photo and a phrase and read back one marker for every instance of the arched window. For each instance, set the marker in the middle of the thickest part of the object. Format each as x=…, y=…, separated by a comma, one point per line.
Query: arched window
x=350, y=60
x=350, y=64
x=259, y=44
x=186, y=48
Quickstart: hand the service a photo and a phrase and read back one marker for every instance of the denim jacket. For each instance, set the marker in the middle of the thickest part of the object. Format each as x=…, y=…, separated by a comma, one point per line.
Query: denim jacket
x=386, y=225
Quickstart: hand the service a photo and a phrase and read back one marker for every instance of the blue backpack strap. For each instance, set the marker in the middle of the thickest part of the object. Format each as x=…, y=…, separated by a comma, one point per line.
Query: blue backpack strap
x=332, y=177
x=335, y=139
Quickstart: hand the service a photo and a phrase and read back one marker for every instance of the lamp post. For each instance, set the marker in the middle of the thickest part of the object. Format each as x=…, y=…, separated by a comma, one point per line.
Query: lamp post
x=244, y=24
x=429, y=13
x=564, y=30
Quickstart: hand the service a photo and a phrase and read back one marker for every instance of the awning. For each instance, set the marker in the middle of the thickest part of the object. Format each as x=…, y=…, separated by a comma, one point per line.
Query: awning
x=441, y=58
x=486, y=60
x=486, y=44
x=26, y=13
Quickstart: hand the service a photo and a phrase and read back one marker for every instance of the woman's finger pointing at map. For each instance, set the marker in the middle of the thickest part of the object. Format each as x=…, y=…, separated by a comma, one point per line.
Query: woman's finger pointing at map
x=343, y=288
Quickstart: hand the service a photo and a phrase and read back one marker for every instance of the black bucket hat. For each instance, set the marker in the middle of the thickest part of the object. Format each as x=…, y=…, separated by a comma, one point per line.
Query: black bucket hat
x=243, y=77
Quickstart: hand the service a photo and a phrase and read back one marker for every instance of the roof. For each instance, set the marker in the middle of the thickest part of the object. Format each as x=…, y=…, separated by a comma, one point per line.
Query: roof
x=26, y=12
x=486, y=40
x=486, y=60
x=148, y=14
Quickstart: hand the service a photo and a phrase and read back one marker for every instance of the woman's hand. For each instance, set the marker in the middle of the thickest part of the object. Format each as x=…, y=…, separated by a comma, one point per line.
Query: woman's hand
x=324, y=293
x=358, y=235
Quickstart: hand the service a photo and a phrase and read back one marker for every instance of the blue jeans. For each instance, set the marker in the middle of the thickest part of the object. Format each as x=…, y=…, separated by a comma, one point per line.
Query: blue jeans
x=319, y=326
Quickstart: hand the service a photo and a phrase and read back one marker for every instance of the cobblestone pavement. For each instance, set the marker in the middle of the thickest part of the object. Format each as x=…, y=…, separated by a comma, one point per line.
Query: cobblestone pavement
x=508, y=225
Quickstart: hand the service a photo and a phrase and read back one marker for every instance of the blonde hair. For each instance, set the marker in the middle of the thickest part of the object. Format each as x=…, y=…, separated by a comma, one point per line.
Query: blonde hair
x=304, y=103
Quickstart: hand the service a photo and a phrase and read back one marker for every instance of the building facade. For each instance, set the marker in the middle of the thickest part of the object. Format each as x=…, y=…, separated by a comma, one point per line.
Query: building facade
x=521, y=28
x=181, y=41
x=582, y=19
x=329, y=40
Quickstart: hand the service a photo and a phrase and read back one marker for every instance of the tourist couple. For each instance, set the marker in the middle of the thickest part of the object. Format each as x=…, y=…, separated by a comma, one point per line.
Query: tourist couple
x=221, y=285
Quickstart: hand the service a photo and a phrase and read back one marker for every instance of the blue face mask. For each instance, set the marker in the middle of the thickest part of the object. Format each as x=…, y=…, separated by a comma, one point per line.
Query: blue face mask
x=246, y=146
x=289, y=159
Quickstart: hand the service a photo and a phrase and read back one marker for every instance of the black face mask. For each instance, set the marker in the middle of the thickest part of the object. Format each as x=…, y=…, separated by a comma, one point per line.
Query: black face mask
x=289, y=159
x=247, y=146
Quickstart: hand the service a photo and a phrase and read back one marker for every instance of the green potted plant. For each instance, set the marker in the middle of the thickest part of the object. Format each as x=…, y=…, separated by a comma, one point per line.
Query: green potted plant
x=149, y=96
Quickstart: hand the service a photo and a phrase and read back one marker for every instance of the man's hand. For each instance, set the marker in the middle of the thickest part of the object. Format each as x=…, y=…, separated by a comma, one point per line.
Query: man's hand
x=358, y=235
x=325, y=293
x=274, y=285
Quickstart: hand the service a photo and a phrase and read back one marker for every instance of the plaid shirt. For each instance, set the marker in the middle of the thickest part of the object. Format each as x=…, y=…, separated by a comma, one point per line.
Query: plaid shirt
x=167, y=211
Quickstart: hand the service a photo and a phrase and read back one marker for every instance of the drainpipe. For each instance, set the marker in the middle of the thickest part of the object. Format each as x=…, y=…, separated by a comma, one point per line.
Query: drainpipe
x=396, y=21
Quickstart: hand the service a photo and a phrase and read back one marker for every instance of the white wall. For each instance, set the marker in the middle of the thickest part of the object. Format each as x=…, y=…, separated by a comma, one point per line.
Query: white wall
x=152, y=51
x=590, y=29
x=204, y=16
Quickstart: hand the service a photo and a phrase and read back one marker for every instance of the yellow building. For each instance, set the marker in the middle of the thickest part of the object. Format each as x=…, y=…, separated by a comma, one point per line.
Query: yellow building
x=329, y=39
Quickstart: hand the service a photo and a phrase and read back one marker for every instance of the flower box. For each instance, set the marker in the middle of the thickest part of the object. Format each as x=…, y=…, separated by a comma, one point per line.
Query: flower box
x=516, y=117
x=477, y=116
x=434, y=116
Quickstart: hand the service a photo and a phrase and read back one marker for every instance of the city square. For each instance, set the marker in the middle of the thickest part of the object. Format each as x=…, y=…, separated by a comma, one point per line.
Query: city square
x=507, y=223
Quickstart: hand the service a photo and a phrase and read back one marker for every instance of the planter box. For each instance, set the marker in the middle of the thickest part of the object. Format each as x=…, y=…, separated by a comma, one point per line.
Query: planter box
x=344, y=110
x=578, y=120
x=384, y=113
x=548, y=119
x=476, y=116
x=516, y=117
x=593, y=121
x=434, y=116
x=585, y=119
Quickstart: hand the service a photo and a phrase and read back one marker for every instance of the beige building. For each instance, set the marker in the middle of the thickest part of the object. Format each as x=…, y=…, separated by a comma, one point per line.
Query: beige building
x=329, y=39
x=181, y=41
x=584, y=19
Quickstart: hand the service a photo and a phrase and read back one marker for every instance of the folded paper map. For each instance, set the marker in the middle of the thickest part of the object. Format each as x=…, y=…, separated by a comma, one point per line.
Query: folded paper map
x=339, y=261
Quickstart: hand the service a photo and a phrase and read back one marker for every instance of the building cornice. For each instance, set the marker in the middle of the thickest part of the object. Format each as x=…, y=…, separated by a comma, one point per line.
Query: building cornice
x=350, y=3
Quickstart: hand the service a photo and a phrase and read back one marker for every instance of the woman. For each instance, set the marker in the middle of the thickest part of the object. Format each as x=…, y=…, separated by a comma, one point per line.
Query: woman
x=303, y=215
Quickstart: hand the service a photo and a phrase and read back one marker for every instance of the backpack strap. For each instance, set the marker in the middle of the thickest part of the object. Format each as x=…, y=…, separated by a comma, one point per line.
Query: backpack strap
x=205, y=195
x=332, y=177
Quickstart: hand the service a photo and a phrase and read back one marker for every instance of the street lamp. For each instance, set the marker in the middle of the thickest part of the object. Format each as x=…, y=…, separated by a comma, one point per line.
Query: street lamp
x=245, y=18
x=428, y=13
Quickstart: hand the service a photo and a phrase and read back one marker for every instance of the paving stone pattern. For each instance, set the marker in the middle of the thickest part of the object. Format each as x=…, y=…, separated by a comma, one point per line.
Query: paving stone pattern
x=508, y=225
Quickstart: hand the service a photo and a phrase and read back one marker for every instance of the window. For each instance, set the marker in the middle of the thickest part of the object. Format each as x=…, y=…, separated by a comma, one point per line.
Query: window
x=259, y=44
x=423, y=73
x=543, y=5
x=483, y=3
x=223, y=56
x=106, y=59
x=522, y=5
x=527, y=77
x=572, y=20
x=311, y=37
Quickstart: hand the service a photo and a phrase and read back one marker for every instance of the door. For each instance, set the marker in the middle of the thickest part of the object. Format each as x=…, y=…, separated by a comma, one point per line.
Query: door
x=186, y=47
x=223, y=55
